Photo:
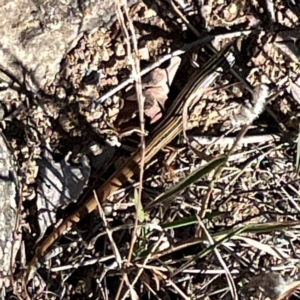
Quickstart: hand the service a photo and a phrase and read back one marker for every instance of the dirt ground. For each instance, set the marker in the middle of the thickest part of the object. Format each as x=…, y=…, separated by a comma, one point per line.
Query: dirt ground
x=70, y=136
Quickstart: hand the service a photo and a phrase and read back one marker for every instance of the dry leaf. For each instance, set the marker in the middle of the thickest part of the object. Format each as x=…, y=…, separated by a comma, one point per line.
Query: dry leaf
x=156, y=86
x=156, y=98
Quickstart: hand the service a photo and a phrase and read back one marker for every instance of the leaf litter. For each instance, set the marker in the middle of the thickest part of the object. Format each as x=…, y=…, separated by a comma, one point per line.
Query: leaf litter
x=156, y=86
x=258, y=185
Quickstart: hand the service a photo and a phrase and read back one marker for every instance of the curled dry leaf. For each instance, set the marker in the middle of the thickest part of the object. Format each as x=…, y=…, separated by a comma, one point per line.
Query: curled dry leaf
x=59, y=183
x=155, y=100
x=156, y=86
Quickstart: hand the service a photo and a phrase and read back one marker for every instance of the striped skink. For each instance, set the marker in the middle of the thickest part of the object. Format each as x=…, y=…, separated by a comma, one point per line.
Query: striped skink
x=165, y=132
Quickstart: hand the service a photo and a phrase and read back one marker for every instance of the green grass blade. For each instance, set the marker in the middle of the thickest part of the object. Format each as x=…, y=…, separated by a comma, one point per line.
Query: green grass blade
x=191, y=178
x=208, y=250
x=259, y=228
x=187, y=221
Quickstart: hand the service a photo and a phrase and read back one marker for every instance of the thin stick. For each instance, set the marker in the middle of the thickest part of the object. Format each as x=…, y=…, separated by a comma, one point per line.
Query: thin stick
x=112, y=243
x=138, y=84
x=156, y=64
x=246, y=140
x=141, y=100
x=141, y=269
x=123, y=26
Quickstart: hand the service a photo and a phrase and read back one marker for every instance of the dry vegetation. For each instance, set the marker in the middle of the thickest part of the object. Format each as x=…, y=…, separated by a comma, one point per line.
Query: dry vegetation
x=245, y=245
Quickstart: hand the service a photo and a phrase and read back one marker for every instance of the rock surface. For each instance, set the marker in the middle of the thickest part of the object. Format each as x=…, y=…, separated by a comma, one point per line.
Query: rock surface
x=8, y=203
x=36, y=35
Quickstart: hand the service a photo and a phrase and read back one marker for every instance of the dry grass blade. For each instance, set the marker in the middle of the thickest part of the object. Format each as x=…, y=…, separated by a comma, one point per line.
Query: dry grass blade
x=234, y=233
x=222, y=236
x=141, y=268
x=253, y=139
x=138, y=84
x=109, y=234
x=172, y=284
x=222, y=262
x=115, y=250
x=278, y=253
x=218, y=171
x=251, y=228
x=247, y=115
x=167, y=57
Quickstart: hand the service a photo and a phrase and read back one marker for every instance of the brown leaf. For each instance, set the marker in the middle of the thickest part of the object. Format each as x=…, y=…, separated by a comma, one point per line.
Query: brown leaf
x=156, y=98
x=155, y=90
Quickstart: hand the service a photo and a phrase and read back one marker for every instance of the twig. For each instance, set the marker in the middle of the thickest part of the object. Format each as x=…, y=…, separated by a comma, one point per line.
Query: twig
x=171, y=283
x=109, y=233
x=141, y=269
x=113, y=244
x=184, y=19
x=246, y=140
x=138, y=84
x=156, y=64
x=141, y=102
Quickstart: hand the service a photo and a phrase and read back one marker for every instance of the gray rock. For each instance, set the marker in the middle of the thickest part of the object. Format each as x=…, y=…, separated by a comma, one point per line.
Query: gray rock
x=37, y=34
x=9, y=191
